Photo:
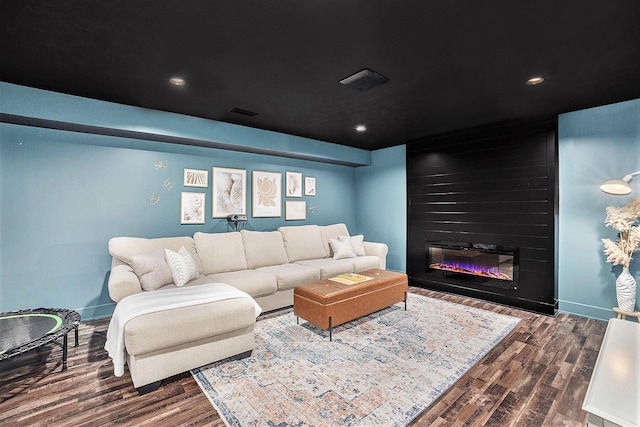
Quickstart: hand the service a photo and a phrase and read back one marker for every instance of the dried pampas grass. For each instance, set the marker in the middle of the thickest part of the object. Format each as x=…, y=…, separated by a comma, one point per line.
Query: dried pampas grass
x=624, y=221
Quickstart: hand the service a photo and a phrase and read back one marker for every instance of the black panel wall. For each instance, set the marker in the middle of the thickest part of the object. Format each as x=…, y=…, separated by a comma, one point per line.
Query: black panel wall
x=491, y=185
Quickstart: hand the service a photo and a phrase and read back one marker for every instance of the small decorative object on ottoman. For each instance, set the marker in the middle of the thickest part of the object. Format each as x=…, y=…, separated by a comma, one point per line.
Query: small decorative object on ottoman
x=166, y=332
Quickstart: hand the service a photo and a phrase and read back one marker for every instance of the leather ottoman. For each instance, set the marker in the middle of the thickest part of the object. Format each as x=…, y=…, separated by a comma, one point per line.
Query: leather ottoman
x=327, y=303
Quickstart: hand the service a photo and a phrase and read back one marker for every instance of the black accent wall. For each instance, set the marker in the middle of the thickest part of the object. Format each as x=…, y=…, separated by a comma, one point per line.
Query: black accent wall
x=490, y=185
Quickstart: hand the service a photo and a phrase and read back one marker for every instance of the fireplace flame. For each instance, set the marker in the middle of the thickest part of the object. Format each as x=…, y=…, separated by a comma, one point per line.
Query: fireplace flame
x=493, y=272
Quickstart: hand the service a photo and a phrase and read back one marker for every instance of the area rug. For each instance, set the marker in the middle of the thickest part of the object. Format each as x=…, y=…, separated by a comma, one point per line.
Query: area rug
x=383, y=369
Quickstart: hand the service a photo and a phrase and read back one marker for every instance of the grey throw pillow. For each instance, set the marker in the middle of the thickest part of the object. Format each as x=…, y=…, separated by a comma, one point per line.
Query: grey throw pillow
x=152, y=270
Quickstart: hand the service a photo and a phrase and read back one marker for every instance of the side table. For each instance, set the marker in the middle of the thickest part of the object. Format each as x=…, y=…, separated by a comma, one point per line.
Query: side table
x=623, y=314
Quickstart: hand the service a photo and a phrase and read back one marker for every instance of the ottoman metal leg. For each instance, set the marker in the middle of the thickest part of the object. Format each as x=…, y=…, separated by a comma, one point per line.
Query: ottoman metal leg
x=330, y=328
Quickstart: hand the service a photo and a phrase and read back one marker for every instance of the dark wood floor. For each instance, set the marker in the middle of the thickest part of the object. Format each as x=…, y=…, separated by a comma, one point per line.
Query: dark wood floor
x=537, y=376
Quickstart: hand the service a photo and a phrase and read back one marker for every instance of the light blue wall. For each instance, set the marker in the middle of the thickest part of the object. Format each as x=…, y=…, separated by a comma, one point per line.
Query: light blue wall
x=382, y=203
x=65, y=194
x=41, y=104
x=595, y=145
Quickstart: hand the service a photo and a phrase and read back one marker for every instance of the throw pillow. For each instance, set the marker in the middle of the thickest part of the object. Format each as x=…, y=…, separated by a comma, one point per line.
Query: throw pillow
x=356, y=243
x=341, y=249
x=182, y=265
x=152, y=270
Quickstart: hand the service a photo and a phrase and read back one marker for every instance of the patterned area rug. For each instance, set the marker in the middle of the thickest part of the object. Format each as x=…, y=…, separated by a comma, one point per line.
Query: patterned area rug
x=384, y=369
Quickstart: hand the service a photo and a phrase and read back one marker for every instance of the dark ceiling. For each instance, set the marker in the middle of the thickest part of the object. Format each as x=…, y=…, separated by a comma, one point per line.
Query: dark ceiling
x=451, y=64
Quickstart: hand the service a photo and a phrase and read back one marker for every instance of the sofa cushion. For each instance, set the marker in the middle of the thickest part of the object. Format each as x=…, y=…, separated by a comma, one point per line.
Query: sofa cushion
x=182, y=266
x=255, y=283
x=220, y=252
x=303, y=242
x=263, y=248
x=124, y=248
x=291, y=275
x=148, y=333
x=332, y=232
x=341, y=249
x=152, y=270
x=329, y=267
x=357, y=243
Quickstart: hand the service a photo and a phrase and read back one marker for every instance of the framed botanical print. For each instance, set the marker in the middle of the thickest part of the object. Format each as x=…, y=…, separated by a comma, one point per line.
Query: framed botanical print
x=266, y=194
x=192, y=207
x=295, y=211
x=309, y=186
x=196, y=178
x=294, y=184
x=229, y=191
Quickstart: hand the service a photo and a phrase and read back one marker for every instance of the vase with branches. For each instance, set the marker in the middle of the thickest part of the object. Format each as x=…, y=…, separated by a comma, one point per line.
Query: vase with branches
x=620, y=252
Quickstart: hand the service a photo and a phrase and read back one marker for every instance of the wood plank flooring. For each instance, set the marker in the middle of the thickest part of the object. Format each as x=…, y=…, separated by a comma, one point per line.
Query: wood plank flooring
x=537, y=376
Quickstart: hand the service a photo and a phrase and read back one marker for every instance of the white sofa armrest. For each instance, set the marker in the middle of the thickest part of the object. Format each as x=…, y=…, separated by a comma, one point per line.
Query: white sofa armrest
x=123, y=282
x=377, y=249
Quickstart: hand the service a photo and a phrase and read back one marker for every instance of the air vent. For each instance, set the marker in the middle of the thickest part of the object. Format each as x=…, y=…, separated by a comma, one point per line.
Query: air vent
x=242, y=112
x=364, y=80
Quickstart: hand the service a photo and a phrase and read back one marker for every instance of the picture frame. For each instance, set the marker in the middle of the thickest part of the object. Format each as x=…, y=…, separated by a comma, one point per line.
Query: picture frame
x=309, y=186
x=195, y=178
x=295, y=210
x=229, y=192
x=192, y=208
x=294, y=184
x=266, y=194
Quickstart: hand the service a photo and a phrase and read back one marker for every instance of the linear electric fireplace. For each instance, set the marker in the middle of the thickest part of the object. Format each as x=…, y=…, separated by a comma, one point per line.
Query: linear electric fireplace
x=482, y=265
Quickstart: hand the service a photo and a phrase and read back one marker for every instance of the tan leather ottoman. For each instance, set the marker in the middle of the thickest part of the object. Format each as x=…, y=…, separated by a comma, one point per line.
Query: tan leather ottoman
x=326, y=303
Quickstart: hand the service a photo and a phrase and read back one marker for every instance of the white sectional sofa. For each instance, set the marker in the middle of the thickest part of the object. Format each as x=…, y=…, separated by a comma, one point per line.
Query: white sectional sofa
x=266, y=265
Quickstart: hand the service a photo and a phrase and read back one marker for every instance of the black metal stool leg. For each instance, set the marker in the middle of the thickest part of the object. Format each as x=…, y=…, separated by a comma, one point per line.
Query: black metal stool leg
x=76, y=333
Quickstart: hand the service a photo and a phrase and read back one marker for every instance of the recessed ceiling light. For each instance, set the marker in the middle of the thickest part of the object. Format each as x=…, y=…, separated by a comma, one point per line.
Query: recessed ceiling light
x=535, y=80
x=177, y=81
x=361, y=128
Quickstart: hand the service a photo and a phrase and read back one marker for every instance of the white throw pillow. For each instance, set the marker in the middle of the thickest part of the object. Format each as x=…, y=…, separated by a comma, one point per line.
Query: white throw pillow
x=152, y=270
x=341, y=249
x=356, y=243
x=182, y=265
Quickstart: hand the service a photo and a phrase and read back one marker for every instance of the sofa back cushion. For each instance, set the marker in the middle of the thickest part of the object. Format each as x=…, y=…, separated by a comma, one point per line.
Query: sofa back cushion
x=123, y=249
x=303, y=242
x=263, y=248
x=220, y=252
x=329, y=232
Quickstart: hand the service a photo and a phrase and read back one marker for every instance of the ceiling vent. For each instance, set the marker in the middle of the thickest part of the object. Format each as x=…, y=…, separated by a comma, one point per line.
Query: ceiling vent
x=242, y=112
x=364, y=80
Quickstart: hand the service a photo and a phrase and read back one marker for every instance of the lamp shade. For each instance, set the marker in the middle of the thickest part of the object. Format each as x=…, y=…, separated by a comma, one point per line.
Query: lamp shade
x=617, y=187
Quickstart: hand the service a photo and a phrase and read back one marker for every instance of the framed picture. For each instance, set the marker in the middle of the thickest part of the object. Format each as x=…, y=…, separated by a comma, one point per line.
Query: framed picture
x=294, y=184
x=295, y=211
x=196, y=178
x=192, y=207
x=229, y=192
x=266, y=192
x=309, y=186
